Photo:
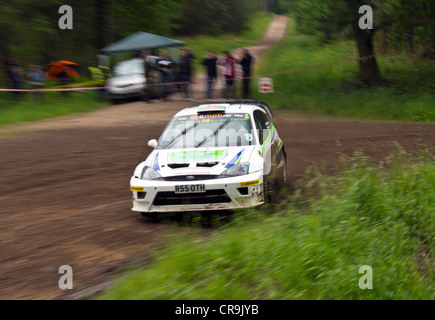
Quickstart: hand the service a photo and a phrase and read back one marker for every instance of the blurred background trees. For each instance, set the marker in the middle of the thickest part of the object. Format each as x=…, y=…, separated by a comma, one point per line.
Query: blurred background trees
x=399, y=25
x=29, y=29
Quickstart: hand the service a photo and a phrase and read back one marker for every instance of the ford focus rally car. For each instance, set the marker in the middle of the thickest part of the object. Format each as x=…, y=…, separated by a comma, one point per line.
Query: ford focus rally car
x=212, y=157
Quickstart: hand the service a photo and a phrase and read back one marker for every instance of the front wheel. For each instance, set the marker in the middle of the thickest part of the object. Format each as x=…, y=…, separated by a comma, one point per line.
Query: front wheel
x=267, y=191
x=150, y=217
x=283, y=178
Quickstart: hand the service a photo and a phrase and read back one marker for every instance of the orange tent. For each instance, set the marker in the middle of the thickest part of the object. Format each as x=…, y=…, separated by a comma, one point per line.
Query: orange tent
x=57, y=67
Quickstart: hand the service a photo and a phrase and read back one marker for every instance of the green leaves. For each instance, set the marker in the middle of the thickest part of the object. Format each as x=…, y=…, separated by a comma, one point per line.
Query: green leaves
x=214, y=17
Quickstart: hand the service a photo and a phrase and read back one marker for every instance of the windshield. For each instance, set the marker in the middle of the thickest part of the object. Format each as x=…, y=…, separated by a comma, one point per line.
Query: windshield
x=207, y=131
x=129, y=67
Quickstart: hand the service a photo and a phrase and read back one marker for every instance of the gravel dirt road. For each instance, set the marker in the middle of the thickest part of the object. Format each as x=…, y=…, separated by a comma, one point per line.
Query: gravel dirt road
x=65, y=196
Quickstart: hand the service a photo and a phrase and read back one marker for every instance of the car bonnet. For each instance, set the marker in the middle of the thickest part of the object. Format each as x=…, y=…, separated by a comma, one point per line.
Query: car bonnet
x=200, y=161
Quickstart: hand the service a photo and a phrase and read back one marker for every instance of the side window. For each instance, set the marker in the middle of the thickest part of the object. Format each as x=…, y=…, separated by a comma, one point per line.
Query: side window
x=262, y=123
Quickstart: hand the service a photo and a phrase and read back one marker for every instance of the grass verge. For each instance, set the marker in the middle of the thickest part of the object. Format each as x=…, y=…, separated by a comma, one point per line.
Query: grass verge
x=376, y=214
x=50, y=104
x=408, y=93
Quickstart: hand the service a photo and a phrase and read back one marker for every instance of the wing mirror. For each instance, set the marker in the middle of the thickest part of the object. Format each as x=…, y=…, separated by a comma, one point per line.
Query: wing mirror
x=152, y=143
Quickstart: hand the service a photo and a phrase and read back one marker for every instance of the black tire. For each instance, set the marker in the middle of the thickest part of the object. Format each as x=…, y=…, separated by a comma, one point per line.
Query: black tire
x=283, y=178
x=149, y=217
x=276, y=190
x=267, y=191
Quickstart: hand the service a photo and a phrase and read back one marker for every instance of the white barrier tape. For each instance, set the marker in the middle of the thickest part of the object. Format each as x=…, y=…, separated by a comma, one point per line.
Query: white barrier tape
x=85, y=88
x=188, y=82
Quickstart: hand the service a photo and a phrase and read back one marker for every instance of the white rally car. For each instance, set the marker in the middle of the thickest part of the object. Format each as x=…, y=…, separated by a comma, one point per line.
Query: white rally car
x=212, y=157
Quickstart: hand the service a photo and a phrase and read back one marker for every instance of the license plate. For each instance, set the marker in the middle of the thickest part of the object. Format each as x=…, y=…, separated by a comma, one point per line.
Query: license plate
x=194, y=188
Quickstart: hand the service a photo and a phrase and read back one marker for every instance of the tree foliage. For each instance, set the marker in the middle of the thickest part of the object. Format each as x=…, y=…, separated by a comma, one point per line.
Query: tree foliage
x=404, y=24
x=29, y=29
x=214, y=17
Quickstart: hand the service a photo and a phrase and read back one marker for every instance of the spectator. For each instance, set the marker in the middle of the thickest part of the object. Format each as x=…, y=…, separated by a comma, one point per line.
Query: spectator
x=98, y=75
x=63, y=79
x=166, y=74
x=186, y=72
x=144, y=55
x=147, y=90
x=210, y=61
x=36, y=78
x=14, y=72
x=229, y=73
x=246, y=63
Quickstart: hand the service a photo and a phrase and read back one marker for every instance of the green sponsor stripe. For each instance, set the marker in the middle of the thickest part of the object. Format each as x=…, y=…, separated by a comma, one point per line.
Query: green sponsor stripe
x=197, y=155
x=240, y=158
x=267, y=140
x=279, y=147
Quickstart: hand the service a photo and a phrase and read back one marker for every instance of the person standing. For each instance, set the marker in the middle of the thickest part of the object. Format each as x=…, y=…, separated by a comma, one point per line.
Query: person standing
x=186, y=72
x=148, y=88
x=229, y=73
x=36, y=79
x=246, y=63
x=14, y=72
x=166, y=74
x=210, y=61
x=99, y=78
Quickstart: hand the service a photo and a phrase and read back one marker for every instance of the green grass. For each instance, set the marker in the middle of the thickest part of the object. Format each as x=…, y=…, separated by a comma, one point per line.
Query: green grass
x=50, y=104
x=408, y=95
x=380, y=215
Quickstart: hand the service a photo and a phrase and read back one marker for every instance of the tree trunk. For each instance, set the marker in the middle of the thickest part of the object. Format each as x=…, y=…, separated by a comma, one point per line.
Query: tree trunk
x=410, y=36
x=369, y=70
x=102, y=23
x=385, y=40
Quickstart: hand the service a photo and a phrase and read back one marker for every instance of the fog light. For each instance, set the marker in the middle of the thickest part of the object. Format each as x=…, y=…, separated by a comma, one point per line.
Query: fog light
x=243, y=191
x=141, y=195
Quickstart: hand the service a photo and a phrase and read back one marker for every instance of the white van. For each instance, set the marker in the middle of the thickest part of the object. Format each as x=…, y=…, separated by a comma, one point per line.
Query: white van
x=129, y=80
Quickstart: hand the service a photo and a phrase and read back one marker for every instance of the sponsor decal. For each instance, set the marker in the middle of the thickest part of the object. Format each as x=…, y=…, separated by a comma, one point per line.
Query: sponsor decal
x=156, y=163
x=205, y=155
x=213, y=117
x=250, y=183
x=236, y=159
x=212, y=107
x=137, y=189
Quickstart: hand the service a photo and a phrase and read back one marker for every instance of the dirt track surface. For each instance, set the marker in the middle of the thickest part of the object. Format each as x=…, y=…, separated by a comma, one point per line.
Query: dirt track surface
x=65, y=196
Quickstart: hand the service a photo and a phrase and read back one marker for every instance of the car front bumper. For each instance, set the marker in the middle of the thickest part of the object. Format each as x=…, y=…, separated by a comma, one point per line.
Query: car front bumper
x=220, y=194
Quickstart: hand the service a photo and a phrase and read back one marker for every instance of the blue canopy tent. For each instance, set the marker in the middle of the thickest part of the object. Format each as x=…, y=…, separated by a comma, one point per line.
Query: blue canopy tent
x=140, y=41
x=137, y=42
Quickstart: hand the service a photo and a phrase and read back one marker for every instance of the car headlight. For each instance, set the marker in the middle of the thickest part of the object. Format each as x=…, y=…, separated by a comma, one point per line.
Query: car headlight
x=239, y=169
x=150, y=174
